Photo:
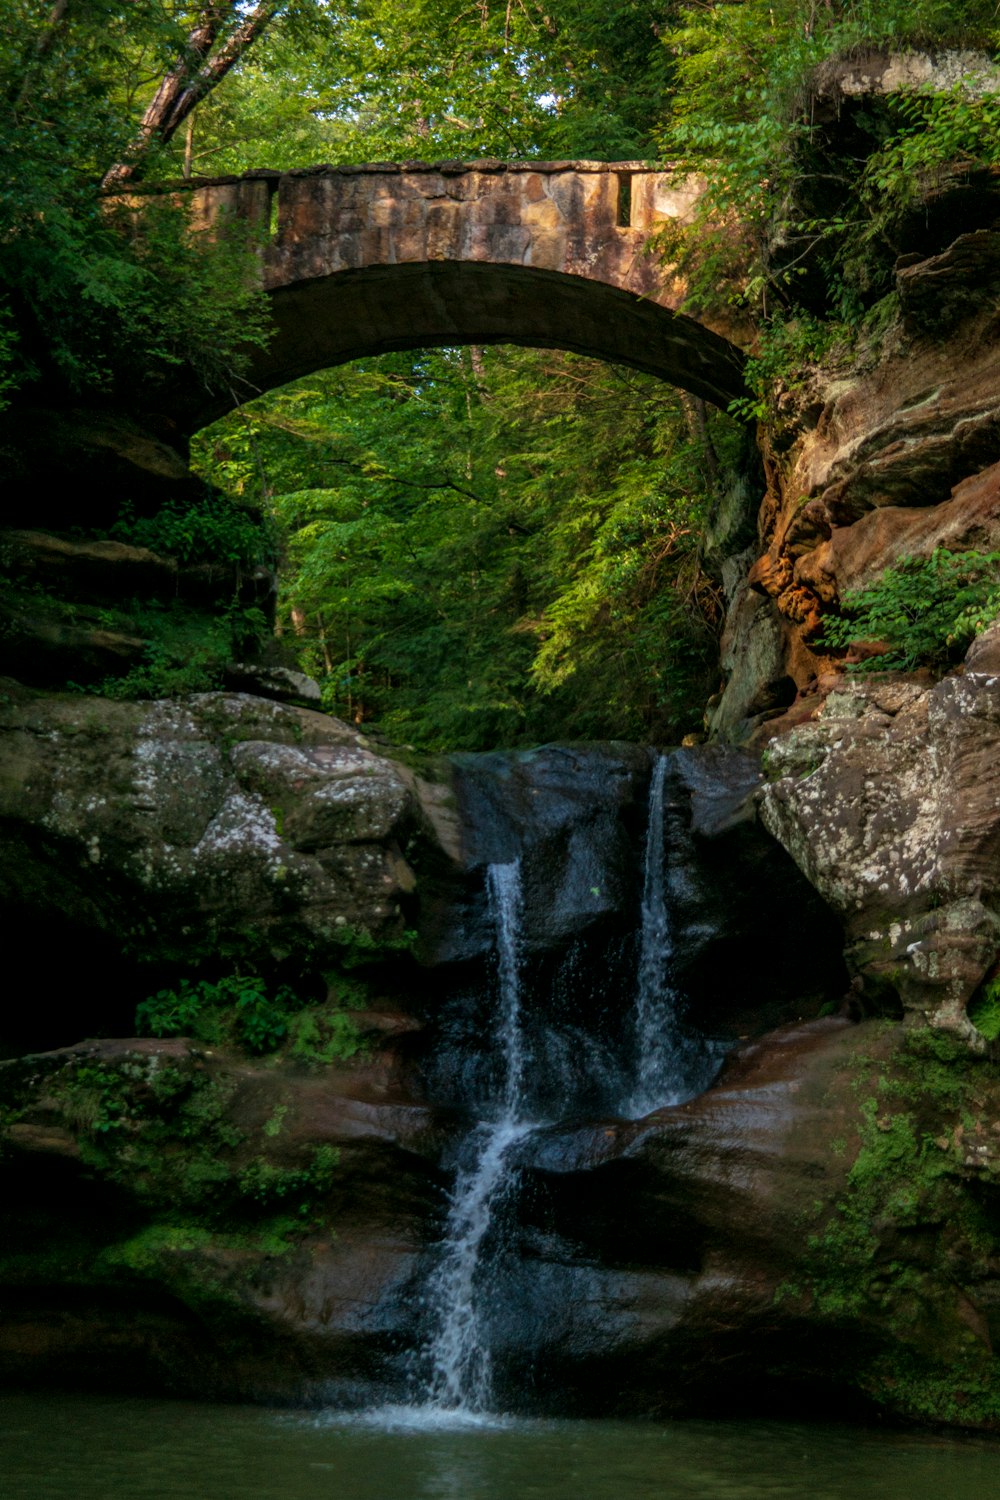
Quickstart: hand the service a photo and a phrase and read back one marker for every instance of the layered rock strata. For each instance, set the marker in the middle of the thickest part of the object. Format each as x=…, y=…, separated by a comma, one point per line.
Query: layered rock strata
x=808, y=1231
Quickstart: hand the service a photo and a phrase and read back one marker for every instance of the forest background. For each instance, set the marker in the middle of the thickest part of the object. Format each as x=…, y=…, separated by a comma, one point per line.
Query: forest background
x=478, y=547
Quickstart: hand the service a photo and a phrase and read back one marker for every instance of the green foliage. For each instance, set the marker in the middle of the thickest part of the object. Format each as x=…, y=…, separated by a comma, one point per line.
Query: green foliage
x=426, y=79
x=164, y=673
x=326, y=1035
x=488, y=547
x=96, y=295
x=94, y=1098
x=213, y=531
x=261, y=1021
x=167, y=1133
x=908, y=1231
x=269, y=1186
x=172, y=1012
x=790, y=220
x=210, y=1010
x=181, y=299
x=984, y=1010
x=275, y=1121
x=242, y=1010
x=784, y=348
x=959, y=128
x=8, y=357
x=186, y=647
x=925, y=611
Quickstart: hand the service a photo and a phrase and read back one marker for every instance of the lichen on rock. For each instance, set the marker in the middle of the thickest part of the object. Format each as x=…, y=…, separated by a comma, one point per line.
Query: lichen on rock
x=199, y=820
x=889, y=801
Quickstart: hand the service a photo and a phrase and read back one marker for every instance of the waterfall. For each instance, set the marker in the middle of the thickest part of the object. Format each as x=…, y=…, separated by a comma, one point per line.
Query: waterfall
x=567, y=1061
x=503, y=885
x=670, y=1063
x=461, y=1376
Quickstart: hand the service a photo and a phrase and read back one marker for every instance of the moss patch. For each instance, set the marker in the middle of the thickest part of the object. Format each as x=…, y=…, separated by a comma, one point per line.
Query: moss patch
x=914, y=1241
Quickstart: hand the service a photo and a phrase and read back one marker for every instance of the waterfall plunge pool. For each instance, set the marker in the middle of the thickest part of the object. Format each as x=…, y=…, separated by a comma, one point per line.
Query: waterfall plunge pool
x=57, y=1447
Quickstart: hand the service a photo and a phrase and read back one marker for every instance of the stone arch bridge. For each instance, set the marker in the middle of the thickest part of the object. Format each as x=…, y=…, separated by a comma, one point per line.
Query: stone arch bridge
x=363, y=260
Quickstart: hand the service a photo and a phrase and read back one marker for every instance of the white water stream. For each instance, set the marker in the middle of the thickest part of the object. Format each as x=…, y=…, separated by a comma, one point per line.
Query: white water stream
x=655, y=1001
x=461, y=1376
x=669, y=1064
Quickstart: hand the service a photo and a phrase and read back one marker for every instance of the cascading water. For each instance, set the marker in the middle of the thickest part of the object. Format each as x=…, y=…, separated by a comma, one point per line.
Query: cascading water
x=459, y=1354
x=670, y=1063
x=552, y=1057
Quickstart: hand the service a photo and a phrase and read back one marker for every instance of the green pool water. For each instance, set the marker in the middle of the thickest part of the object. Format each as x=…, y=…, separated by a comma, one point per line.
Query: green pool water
x=100, y=1448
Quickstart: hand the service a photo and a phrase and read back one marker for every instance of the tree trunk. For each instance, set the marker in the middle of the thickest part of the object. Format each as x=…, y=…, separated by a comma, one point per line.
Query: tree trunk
x=196, y=73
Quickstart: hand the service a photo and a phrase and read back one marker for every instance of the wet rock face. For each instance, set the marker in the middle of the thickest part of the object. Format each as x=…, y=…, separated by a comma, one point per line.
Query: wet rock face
x=226, y=829
x=574, y=815
x=704, y=1259
x=724, y=1256
x=242, y=1231
x=656, y=1246
x=186, y=1218
x=889, y=801
x=736, y=962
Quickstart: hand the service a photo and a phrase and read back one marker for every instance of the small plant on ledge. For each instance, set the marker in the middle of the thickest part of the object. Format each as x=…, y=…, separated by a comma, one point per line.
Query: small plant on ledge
x=925, y=611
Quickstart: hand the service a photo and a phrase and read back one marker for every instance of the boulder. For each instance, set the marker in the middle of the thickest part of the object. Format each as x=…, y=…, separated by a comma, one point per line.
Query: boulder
x=780, y=1242
x=889, y=802
x=41, y=646
x=856, y=556
x=113, y=573
x=215, y=824
x=280, y=683
x=86, y=570
x=187, y=1220
x=810, y=1233
x=74, y=467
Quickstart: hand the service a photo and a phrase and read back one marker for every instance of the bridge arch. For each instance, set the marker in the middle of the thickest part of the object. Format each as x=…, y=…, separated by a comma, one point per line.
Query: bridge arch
x=367, y=260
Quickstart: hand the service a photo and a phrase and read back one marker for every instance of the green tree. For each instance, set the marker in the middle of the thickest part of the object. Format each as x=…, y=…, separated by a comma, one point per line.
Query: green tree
x=403, y=79
x=488, y=546
x=740, y=115
x=94, y=296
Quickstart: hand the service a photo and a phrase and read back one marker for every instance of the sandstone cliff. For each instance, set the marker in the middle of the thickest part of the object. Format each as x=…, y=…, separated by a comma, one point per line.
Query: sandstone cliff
x=820, y=1226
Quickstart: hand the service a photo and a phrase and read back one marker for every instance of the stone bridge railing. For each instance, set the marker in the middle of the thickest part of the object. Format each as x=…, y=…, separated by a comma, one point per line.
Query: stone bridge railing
x=590, y=219
x=365, y=259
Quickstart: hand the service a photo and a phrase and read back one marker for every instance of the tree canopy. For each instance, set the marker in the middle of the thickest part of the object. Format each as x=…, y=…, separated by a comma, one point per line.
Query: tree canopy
x=489, y=546
x=480, y=546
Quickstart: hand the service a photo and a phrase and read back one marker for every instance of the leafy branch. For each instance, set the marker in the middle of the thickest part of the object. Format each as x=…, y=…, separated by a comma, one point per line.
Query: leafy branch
x=922, y=612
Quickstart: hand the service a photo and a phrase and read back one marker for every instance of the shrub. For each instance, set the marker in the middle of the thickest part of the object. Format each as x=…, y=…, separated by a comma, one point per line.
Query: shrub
x=784, y=348
x=215, y=531
x=925, y=611
x=164, y=674
x=324, y=1036
x=186, y=650
x=240, y=1009
x=984, y=1010
x=268, y=1185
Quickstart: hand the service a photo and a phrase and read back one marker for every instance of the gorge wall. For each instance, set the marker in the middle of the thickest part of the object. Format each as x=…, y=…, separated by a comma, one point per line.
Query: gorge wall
x=250, y=1213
